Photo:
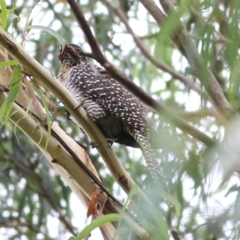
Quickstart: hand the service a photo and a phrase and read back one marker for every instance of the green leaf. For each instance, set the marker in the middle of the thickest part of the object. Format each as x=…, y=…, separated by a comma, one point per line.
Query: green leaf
x=170, y=198
x=153, y=231
x=169, y=26
x=11, y=17
x=97, y=223
x=29, y=105
x=47, y=114
x=13, y=92
x=9, y=63
x=161, y=223
x=4, y=12
x=122, y=230
x=14, y=88
x=163, y=48
x=22, y=200
x=29, y=26
x=133, y=192
x=50, y=31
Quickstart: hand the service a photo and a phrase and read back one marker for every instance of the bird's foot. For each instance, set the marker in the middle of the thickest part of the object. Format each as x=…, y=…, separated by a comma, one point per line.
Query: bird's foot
x=68, y=116
x=82, y=131
x=79, y=105
x=110, y=143
x=95, y=145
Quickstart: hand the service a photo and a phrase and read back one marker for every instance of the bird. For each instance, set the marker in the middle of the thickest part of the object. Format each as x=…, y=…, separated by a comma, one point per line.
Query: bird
x=114, y=109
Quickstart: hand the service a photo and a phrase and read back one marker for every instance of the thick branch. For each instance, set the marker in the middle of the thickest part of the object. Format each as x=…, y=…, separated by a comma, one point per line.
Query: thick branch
x=60, y=157
x=121, y=77
x=36, y=70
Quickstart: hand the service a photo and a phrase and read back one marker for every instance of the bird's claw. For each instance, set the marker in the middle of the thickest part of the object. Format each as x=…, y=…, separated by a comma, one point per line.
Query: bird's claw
x=68, y=116
x=79, y=105
x=110, y=143
x=95, y=145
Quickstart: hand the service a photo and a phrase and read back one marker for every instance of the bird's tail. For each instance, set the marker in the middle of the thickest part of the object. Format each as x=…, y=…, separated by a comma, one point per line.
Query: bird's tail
x=151, y=161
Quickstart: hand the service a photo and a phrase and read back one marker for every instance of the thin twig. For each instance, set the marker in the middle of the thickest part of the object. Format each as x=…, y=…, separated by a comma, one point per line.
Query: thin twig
x=202, y=113
x=123, y=79
x=148, y=36
x=27, y=21
x=15, y=224
x=175, y=235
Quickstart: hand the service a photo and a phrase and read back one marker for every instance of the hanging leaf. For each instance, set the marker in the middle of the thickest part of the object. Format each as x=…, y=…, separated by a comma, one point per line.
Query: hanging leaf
x=48, y=117
x=4, y=12
x=13, y=92
x=96, y=224
x=93, y=202
x=52, y=32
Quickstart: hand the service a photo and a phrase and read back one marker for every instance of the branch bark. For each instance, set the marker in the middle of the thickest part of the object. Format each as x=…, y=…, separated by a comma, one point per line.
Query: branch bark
x=36, y=108
x=60, y=159
x=36, y=70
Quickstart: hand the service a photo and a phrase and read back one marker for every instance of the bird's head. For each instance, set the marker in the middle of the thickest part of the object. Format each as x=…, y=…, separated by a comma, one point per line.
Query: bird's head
x=71, y=54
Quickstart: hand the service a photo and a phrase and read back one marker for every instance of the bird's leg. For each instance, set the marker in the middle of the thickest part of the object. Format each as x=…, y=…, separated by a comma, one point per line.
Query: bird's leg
x=95, y=145
x=82, y=131
x=80, y=104
x=92, y=144
x=69, y=115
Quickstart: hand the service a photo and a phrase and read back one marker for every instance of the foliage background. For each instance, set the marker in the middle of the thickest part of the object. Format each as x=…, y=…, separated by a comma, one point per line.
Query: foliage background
x=32, y=193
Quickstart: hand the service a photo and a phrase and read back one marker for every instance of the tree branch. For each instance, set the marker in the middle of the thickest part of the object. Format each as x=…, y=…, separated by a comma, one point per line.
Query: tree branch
x=56, y=146
x=58, y=156
x=190, y=84
x=184, y=43
x=123, y=79
x=201, y=113
x=108, y=155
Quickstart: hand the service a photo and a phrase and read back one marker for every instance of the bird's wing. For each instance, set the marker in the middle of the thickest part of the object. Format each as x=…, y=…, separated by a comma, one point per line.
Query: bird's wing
x=109, y=94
